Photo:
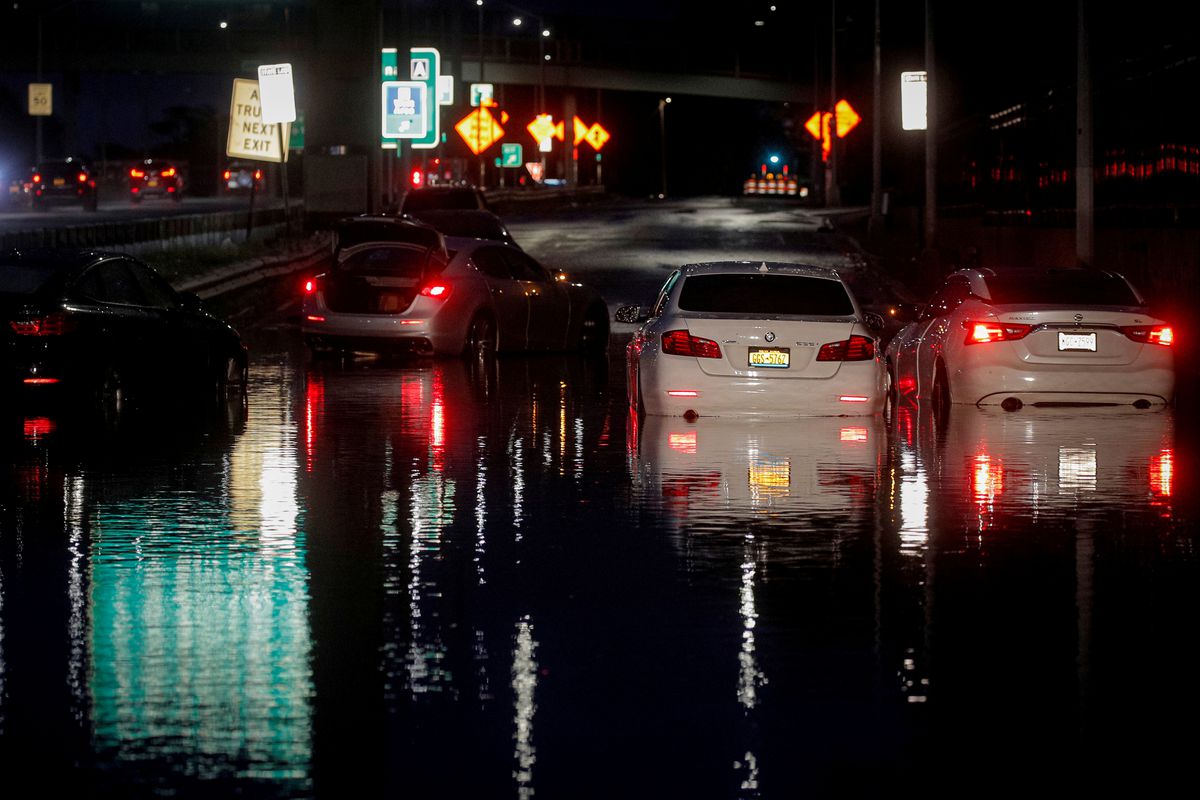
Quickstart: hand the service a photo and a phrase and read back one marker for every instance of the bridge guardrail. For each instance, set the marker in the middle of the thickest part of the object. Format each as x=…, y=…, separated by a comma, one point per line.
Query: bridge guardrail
x=189, y=230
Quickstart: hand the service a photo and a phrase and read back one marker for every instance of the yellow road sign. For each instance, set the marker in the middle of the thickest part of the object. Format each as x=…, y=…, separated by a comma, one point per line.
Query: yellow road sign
x=250, y=137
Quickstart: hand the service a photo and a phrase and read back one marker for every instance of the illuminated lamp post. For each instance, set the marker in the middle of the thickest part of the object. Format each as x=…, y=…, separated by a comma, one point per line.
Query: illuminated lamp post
x=662, y=145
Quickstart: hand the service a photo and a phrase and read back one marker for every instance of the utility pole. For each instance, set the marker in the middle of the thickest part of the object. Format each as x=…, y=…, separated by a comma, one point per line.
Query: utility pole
x=930, y=249
x=875, y=224
x=833, y=196
x=1085, y=199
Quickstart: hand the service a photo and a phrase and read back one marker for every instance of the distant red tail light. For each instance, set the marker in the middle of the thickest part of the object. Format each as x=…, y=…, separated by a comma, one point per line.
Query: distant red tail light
x=310, y=285
x=682, y=343
x=438, y=291
x=37, y=178
x=55, y=324
x=984, y=332
x=82, y=177
x=856, y=348
x=258, y=173
x=1163, y=335
x=134, y=172
x=227, y=174
x=169, y=172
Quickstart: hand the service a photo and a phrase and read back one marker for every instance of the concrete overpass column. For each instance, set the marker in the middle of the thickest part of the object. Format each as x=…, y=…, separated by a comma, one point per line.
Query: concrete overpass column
x=570, y=164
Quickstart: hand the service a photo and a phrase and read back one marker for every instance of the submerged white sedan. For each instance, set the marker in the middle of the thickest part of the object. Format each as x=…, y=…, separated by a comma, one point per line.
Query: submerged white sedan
x=738, y=338
x=1041, y=337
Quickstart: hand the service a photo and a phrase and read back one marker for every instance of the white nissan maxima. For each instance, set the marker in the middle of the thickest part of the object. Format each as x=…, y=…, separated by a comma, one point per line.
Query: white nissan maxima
x=738, y=338
x=1040, y=337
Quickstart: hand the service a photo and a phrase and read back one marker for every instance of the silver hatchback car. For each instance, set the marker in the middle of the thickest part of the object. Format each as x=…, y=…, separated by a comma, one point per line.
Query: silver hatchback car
x=406, y=288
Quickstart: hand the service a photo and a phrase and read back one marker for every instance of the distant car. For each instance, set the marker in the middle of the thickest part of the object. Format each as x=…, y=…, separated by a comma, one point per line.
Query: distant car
x=466, y=224
x=80, y=325
x=404, y=287
x=736, y=338
x=432, y=198
x=68, y=180
x=154, y=178
x=239, y=177
x=1035, y=337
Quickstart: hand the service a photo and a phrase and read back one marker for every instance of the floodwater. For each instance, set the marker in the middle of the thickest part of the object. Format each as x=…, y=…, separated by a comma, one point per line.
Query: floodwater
x=448, y=579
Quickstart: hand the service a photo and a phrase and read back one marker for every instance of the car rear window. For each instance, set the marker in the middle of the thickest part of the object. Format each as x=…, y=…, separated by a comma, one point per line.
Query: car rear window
x=765, y=294
x=1067, y=289
x=472, y=226
x=429, y=199
x=406, y=262
x=60, y=169
x=24, y=278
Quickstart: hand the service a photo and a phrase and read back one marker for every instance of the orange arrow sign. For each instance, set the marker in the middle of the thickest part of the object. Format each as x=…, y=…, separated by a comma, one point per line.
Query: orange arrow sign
x=596, y=136
x=581, y=131
x=847, y=118
x=543, y=129
x=813, y=126
x=479, y=129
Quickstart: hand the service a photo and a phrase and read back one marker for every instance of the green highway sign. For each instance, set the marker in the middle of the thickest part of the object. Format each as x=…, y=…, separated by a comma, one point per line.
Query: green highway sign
x=510, y=155
x=425, y=63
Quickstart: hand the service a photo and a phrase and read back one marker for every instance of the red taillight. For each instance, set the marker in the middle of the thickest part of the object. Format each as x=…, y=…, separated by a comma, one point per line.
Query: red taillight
x=227, y=174
x=37, y=178
x=258, y=174
x=310, y=285
x=856, y=348
x=134, y=189
x=82, y=177
x=682, y=343
x=417, y=178
x=438, y=291
x=985, y=331
x=40, y=381
x=55, y=324
x=1163, y=335
x=169, y=172
x=134, y=172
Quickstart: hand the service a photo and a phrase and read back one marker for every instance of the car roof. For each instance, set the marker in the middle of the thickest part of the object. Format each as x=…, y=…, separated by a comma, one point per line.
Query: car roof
x=353, y=231
x=764, y=267
x=65, y=258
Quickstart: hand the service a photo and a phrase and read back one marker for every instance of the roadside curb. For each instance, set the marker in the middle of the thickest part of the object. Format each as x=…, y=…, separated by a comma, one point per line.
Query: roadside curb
x=246, y=273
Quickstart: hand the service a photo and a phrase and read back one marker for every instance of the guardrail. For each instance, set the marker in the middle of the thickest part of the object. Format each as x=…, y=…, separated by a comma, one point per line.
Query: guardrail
x=190, y=230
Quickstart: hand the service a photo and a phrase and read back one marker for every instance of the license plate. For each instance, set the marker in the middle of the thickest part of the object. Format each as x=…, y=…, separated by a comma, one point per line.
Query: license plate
x=60, y=181
x=770, y=357
x=152, y=184
x=1077, y=341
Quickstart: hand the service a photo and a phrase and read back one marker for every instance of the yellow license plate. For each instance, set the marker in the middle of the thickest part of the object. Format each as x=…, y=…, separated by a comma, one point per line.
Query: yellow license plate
x=770, y=357
x=152, y=184
x=60, y=181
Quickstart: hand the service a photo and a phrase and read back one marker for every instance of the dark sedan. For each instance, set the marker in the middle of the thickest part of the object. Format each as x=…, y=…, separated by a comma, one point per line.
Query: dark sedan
x=103, y=328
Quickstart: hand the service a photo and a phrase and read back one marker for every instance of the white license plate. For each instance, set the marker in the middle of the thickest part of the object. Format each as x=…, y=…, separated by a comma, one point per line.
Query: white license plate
x=1077, y=341
x=770, y=357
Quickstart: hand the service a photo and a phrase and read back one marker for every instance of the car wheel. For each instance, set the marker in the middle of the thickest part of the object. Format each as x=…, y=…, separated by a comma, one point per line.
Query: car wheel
x=232, y=380
x=941, y=393
x=110, y=393
x=593, y=337
x=481, y=337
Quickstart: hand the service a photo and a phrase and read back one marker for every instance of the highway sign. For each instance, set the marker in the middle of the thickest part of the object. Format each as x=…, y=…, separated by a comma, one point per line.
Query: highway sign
x=445, y=90
x=424, y=66
x=41, y=99
x=405, y=110
x=511, y=155
x=536, y=170
x=482, y=94
x=250, y=137
x=277, y=93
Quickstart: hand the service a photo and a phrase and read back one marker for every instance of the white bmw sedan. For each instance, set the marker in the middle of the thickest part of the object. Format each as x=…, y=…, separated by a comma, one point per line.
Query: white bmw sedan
x=1040, y=337
x=418, y=293
x=739, y=338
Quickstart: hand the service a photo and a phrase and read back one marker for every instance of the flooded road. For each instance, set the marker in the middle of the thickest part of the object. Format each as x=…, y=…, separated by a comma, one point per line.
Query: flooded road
x=460, y=579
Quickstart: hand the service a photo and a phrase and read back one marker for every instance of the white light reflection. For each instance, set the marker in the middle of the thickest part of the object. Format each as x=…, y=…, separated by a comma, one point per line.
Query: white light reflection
x=524, y=684
x=1076, y=469
x=432, y=498
x=480, y=509
x=914, y=506
x=578, y=448
x=3, y=666
x=516, y=454
x=750, y=765
x=750, y=677
x=76, y=599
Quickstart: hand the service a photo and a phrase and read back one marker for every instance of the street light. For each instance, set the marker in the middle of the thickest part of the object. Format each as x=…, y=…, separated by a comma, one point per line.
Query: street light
x=662, y=144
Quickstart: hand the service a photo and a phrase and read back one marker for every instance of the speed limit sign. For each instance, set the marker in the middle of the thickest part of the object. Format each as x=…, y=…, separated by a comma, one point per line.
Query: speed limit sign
x=41, y=102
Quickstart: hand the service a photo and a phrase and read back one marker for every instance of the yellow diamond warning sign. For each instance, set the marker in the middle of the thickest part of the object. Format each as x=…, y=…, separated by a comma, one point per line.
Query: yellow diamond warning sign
x=479, y=129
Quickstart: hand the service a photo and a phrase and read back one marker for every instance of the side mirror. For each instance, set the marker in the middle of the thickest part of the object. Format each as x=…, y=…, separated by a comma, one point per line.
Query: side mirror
x=873, y=321
x=633, y=315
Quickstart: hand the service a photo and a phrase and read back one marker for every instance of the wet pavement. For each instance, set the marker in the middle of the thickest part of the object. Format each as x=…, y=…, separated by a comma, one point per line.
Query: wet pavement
x=459, y=579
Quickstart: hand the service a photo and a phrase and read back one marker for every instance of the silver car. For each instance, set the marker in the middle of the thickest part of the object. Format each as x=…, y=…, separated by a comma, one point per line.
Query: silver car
x=408, y=289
